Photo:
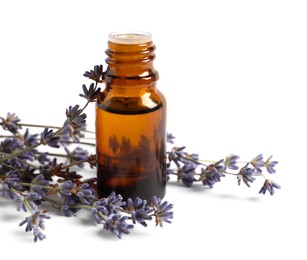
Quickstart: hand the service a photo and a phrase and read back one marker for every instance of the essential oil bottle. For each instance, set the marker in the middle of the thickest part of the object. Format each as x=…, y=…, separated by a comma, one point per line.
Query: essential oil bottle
x=131, y=121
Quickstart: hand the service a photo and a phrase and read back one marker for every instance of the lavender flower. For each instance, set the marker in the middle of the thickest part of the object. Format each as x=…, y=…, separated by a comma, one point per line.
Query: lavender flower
x=65, y=189
x=114, y=203
x=258, y=162
x=107, y=206
x=10, y=123
x=99, y=207
x=175, y=155
x=95, y=74
x=231, y=161
x=162, y=211
x=85, y=193
x=75, y=116
x=49, y=138
x=270, y=165
x=270, y=186
x=29, y=140
x=43, y=158
x=9, y=145
x=73, y=132
x=90, y=94
x=26, y=199
x=212, y=174
x=10, y=182
x=75, y=123
x=67, y=209
x=187, y=173
x=35, y=222
x=170, y=138
x=139, y=211
x=39, y=184
x=117, y=225
x=246, y=174
x=78, y=154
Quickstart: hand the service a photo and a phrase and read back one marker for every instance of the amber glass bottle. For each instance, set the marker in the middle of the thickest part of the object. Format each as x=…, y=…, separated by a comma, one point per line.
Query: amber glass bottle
x=131, y=121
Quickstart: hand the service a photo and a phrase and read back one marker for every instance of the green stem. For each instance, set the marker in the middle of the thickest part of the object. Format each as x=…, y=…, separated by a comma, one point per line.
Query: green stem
x=7, y=136
x=12, y=168
x=9, y=156
x=195, y=161
x=30, y=184
x=49, y=126
x=37, y=125
x=29, y=206
x=55, y=154
x=81, y=206
x=33, y=166
x=102, y=216
x=72, y=164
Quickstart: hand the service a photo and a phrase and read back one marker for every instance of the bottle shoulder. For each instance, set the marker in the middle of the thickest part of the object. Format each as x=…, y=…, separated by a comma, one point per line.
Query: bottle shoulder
x=131, y=101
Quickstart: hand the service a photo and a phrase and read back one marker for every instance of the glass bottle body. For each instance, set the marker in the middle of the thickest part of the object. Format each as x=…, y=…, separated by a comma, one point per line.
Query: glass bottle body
x=131, y=125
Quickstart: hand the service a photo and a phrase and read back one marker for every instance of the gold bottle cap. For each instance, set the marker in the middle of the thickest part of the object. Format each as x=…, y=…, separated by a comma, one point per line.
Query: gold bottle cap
x=130, y=37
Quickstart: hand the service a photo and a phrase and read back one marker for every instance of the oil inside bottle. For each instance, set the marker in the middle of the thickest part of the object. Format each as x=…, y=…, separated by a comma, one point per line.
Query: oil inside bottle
x=131, y=152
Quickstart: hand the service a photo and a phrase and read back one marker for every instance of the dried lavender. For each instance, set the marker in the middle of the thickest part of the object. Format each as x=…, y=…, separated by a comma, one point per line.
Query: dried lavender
x=190, y=170
x=29, y=175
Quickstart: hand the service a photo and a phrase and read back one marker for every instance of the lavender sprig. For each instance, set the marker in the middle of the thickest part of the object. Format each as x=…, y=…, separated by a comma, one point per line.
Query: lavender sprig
x=190, y=170
x=35, y=222
x=10, y=123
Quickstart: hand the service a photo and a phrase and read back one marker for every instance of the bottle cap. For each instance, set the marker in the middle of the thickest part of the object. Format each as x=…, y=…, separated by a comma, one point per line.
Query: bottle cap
x=130, y=37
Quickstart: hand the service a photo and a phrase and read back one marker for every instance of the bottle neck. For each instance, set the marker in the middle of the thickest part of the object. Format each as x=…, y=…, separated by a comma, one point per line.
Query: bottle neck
x=130, y=65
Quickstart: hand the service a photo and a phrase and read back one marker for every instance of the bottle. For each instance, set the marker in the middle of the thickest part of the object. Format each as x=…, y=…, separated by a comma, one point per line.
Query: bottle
x=131, y=121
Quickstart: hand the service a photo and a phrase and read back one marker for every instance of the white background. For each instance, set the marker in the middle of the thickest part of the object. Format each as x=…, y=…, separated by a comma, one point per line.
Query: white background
x=234, y=74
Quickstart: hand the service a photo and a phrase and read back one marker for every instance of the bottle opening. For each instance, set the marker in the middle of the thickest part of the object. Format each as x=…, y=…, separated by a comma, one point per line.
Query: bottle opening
x=134, y=37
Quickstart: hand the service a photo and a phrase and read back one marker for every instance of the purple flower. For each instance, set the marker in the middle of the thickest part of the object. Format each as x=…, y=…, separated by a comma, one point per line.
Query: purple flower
x=212, y=174
x=186, y=173
x=74, y=125
x=231, y=161
x=270, y=165
x=170, y=138
x=29, y=140
x=39, y=184
x=117, y=225
x=107, y=206
x=71, y=131
x=9, y=145
x=90, y=94
x=35, y=222
x=65, y=188
x=67, y=209
x=99, y=207
x=10, y=182
x=246, y=174
x=78, y=154
x=49, y=138
x=114, y=202
x=10, y=123
x=270, y=186
x=162, y=211
x=75, y=116
x=258, y=162
x=139, y=211
x=85, y=193
x=175, y=155
x=43, y=158
x=95, y=74
x=25, y=199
